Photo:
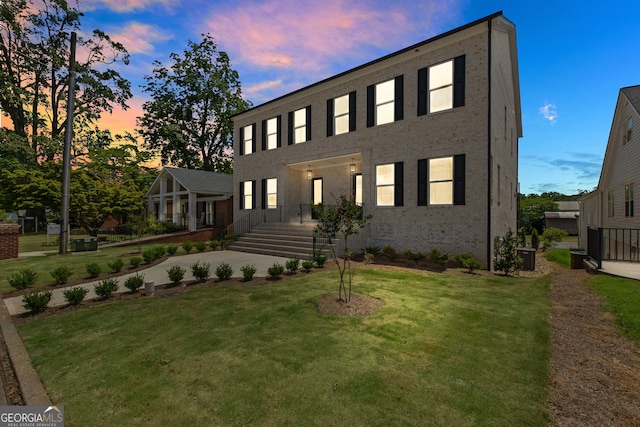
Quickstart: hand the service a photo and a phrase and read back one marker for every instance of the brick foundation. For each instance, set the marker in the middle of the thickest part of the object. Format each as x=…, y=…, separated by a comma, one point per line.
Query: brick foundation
x=9, y=241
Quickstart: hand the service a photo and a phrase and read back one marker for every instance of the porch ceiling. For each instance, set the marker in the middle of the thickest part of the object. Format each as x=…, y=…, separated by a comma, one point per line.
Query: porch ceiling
x=327, y=162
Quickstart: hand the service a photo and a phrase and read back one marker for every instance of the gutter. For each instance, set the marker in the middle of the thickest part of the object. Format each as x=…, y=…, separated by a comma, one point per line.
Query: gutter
x=489, y=156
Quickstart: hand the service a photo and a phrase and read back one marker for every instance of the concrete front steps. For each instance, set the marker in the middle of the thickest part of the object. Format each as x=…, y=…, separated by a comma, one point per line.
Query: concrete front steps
x=287, y=240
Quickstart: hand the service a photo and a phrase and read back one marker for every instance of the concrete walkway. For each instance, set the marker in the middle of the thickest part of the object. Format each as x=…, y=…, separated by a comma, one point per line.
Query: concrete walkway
x=158, y=273
x=629, y=270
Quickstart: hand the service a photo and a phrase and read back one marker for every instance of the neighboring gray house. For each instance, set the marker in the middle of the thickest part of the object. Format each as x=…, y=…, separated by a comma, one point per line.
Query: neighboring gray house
x=610, y=207
x=566, y=218
x=425, y=139
x=192, y=198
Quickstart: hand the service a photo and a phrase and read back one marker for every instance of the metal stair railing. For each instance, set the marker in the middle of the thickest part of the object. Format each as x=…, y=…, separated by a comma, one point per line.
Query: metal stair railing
x=248, y=222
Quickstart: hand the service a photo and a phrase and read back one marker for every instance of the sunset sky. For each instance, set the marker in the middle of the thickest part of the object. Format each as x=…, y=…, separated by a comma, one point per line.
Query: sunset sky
x=574, y=56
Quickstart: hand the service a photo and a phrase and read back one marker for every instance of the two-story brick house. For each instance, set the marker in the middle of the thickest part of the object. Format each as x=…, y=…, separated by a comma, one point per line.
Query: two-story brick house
x=426, y=139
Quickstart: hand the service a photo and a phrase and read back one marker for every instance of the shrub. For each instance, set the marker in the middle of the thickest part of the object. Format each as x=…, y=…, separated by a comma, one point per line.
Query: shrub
x=368, y=257
x=75, y=295
x=374, y=250
x=292, y=265
x=276, y=270
x=106, y=288
x=535, y=239
x=224, y=271
x=507, y=259
x=93, y=269
x=135, y=261
x=36, y=302
x=133, y=283
x=153, y=253
x=438, y=257
x=201, y=271
x=413, y=256
x=468, y=261
x=389, y=252
x=200, y=246
x=247, y=271
x=187, y=246
x=116, y=265
x=176, y=274
x=319, y=259
x=522, y=237
x=552, y=235
x=23, y=279
x=213, y=244
x=172, y=249
x=307, y=265
x=61, y=274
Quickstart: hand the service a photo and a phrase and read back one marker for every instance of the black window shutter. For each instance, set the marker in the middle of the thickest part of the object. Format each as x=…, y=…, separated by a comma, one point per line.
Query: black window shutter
x=253, y=138
x=264, y=135
x=308, y=124
x=253, y=194
x=241, y=201
x=241, y=150
x=264, y=193
x=422, y=182
x=398, y=181
x=329, y=117
x=371, y=106
x=398, y=99
x=278, y=131
x=352, y=111
x=290, y=127
x=423, y=91
x=458, y=81
x=458, y=179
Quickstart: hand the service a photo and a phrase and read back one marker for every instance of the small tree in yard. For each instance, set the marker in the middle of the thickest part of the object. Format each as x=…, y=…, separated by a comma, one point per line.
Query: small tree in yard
x=345, y=218
x=507, y=259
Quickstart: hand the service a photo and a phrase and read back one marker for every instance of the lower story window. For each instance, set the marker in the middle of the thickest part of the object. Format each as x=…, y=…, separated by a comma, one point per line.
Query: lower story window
x=247, y=194
x=628, y=200
x=610, y=204
x=272, y=193
x=389, y=184
x=441, y=181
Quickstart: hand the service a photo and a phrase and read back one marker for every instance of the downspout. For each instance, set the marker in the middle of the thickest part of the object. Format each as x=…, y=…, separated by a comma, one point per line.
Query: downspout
x=489, y=159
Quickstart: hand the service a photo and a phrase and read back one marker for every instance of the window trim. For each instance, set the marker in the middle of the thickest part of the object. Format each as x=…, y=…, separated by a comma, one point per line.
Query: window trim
x=292, y=126
x=398, y=184
x=265, y=135
x=266, y=194
x=243, y=141
x=459, y=185
x=243, y=187
x=331, y=128
x=458, y=94
x=628, y=200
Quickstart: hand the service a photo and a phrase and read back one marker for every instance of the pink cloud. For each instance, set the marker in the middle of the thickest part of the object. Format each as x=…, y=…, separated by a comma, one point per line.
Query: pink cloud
x=139, y=38
x=120, y=120
x=127, y=5
x=304, y=34
x=263, y=85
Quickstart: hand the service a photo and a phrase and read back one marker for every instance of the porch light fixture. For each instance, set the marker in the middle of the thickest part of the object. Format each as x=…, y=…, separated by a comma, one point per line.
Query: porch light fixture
x=352, y=168
x=309, y=174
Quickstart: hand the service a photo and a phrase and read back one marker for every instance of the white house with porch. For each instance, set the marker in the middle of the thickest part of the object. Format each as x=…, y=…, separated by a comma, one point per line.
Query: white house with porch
x=192, y=198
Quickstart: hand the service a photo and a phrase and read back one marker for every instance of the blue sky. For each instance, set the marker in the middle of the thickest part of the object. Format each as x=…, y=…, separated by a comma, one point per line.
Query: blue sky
x=574, y=56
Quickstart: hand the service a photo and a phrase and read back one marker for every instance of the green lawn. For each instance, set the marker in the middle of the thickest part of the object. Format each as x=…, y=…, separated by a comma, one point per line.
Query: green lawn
x=446, y=349
x=622, y=298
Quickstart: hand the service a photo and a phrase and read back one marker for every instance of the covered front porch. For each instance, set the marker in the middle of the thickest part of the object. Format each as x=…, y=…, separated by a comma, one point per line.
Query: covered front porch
x=320, y=181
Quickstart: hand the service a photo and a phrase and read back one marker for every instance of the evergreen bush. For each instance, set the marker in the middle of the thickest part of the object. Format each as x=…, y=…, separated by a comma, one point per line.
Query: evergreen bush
x=106, y=288
x=75, y=295
x=176, y=274
x=36, y=302
x=276, y=270
x=23, y=279
x=61, y=274
x=93, y=269
x=224, y=271
x=507, y=259
x=135, y=282
x=201, y=272
x=248, y=271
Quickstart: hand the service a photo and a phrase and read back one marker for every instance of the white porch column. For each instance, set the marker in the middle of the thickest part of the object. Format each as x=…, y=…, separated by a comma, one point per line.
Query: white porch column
x=162, y=214
x=176, y=202
x=193, y=212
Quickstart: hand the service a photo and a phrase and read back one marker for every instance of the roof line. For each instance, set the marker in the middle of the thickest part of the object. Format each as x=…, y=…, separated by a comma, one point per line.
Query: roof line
x=391, y=55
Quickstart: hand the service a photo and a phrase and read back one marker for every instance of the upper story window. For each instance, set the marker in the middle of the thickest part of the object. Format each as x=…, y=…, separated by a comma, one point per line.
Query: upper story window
x=441, y=181
x=300, y=126
x=341, y=114
x=271, y=133
x=629, y=128
x=628, y=200
x=384, y=102
x=389, y=184
x=442, y=86
x=248, y=139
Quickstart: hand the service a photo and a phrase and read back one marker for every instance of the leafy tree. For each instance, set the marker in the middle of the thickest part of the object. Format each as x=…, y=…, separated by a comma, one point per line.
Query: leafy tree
x=188, y=120
x=507, y=259
x=34, y=75
x=345, y=218
x=532, y=209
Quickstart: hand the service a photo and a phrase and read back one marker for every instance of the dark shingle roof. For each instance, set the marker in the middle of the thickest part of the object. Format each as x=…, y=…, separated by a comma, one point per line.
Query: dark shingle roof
x=633, y=95
x=200, y=181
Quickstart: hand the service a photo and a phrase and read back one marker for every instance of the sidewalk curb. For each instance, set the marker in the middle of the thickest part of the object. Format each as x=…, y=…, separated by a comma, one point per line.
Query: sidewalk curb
x=33, y=392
